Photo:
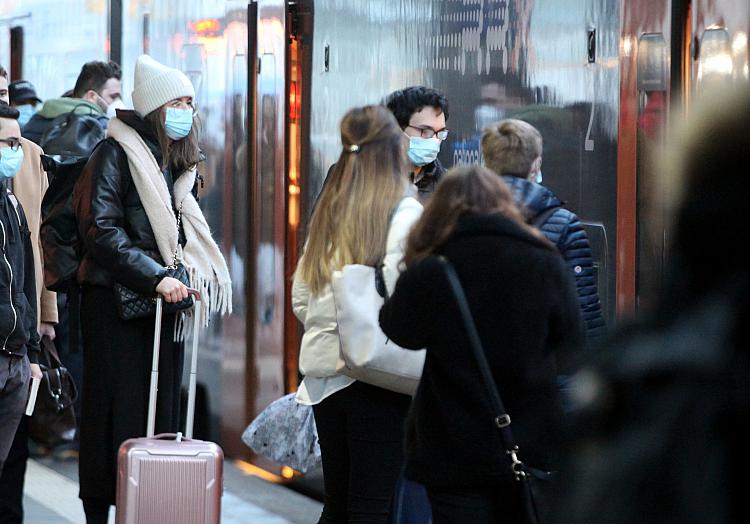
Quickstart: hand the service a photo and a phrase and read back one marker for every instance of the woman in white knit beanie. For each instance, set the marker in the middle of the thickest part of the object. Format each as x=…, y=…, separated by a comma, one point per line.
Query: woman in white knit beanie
x=137, y=214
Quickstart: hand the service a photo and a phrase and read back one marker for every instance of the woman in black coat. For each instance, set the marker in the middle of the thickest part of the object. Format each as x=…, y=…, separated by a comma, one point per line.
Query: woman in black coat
x=524, y=304
x=137, y=213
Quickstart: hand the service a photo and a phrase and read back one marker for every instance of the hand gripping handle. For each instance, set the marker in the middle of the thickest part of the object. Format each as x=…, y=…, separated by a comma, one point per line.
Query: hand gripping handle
x=151, y=421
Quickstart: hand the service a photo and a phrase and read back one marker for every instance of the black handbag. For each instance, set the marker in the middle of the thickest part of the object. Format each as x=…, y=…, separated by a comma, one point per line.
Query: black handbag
x=536, y=487
x=54, y=420
x=131, y=304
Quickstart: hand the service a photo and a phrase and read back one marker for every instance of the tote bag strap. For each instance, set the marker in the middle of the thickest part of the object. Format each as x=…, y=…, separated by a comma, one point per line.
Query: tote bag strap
x=501, y=419
x=380, y=286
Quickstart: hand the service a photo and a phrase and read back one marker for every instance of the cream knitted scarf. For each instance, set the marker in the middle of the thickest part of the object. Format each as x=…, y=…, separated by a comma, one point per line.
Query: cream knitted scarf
x=201, y=256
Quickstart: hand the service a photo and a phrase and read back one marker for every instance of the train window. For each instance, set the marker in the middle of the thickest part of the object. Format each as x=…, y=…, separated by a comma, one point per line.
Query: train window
x=714, y=57
x=653, y=68
x=268, y=133
x=193, y=57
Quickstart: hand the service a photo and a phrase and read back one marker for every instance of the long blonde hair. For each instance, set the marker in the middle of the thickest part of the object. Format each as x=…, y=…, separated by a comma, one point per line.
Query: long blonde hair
x=350, y=222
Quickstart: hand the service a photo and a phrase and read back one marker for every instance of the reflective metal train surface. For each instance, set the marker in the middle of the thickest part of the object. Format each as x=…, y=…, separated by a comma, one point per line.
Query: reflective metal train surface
x=274, y=78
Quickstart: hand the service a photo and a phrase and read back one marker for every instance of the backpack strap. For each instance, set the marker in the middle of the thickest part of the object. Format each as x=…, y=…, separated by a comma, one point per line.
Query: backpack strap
x=541, y=219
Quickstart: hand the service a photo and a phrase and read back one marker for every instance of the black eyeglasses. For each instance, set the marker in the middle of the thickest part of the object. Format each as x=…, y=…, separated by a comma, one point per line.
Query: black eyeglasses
x=428, y=132
x=13, y=143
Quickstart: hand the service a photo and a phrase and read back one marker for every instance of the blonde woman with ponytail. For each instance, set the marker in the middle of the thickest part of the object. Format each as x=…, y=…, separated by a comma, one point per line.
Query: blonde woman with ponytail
x=363, y=216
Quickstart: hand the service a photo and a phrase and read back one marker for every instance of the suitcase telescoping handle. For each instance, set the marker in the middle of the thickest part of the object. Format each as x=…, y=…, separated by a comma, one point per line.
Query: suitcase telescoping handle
x=151, y=423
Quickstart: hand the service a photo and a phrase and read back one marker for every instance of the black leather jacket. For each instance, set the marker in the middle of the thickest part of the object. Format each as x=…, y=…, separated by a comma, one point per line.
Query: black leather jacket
x=117, y=241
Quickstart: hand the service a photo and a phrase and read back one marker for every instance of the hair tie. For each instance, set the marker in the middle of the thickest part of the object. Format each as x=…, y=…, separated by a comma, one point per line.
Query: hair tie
x=354, y=148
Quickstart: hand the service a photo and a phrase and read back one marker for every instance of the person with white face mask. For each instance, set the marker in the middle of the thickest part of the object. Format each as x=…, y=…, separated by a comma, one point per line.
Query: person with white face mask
x=513, y=149
x=18, y=322
x=422, y=113
x=21, y=171
x=23, y=97
x=96, y=93
x=137, y=212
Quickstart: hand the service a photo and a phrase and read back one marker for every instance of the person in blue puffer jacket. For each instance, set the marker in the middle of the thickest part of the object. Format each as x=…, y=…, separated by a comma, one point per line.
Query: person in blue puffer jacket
x=513, y=148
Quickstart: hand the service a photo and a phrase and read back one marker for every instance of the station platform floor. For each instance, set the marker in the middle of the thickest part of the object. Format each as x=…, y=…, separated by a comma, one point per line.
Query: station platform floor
x=51, y=497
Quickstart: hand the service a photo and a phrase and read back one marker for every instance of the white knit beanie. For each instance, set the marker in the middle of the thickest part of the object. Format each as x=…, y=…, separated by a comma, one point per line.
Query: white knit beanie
x=157, y=84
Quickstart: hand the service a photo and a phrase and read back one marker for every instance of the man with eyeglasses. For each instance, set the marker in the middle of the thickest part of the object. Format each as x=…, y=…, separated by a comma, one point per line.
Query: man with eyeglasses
x=422, y=113
x=28, y=186
x=19, y=339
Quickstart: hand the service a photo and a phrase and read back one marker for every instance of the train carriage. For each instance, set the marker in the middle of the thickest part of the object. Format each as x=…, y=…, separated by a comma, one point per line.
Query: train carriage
x=274, y=77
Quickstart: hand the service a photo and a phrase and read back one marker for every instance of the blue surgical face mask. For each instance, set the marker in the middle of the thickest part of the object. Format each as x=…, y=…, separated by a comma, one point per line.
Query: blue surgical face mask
x=178, y=122
x=26, y=112
x=10, y=162
x=538, y=177
x=423, y=151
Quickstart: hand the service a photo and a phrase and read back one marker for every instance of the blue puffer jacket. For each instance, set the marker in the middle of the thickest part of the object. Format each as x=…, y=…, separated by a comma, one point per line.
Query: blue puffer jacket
x=563, y=228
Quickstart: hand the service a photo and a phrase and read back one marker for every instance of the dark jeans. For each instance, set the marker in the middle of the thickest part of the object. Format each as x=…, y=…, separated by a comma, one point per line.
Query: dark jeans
x=68, y=344
x=489, y=506
x=14, y=392
x=14, y=378
x=360, y=429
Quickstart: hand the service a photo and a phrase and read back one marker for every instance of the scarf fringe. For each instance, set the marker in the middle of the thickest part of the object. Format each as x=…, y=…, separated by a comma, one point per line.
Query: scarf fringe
x=217, y=298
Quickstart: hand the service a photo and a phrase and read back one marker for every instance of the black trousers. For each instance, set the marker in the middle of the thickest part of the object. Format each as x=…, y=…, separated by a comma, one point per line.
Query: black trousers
x=496, y=505
x=116, y=371
x=13, y=476
x=360, y=429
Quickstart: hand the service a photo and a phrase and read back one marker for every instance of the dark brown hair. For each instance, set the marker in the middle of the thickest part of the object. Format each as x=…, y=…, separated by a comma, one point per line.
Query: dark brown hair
x=94, y=75
x=463, y=191
x=177, y=155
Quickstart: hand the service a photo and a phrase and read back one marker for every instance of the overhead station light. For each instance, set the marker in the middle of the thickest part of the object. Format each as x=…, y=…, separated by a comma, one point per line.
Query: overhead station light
x=206, y=27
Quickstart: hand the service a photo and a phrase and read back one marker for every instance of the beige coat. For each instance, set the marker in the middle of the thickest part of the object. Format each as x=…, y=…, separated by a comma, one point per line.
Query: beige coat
x=29, y=186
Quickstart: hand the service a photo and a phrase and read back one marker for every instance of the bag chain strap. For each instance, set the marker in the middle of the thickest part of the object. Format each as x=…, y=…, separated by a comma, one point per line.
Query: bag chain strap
x=179, y=221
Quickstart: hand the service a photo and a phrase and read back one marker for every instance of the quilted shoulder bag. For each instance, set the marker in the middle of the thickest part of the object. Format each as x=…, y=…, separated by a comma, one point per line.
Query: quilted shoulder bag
x=131, y=304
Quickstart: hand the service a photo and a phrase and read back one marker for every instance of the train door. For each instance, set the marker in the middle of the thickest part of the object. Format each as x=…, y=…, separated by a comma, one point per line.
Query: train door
x=11, y=47
x=279, y=90
x=265, y=321
x=654, y=37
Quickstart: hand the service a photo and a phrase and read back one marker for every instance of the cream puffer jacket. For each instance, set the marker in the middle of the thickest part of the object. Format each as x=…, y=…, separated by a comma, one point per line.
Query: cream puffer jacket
x=319, y=351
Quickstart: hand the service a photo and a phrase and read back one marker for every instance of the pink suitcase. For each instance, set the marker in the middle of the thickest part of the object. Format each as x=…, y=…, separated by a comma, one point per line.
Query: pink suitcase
x=166, y=478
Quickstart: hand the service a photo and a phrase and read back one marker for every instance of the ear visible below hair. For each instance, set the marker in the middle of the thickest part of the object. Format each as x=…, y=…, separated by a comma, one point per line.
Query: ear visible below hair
x=536, y=165
x=91, y=96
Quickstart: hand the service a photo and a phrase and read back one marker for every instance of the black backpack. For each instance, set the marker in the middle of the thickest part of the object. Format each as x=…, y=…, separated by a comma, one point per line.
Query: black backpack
x=68, y=144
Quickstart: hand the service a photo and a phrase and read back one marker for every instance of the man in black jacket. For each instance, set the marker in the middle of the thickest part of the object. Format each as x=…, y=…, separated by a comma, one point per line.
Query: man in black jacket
x=513, y=148
x=18, y=325
x=422, y=113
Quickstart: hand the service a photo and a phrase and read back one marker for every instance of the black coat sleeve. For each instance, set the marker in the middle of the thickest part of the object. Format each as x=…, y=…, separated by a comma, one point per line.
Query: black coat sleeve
x=406, y=315
x=566, y=327
x=99, y=209
x=29, y=290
